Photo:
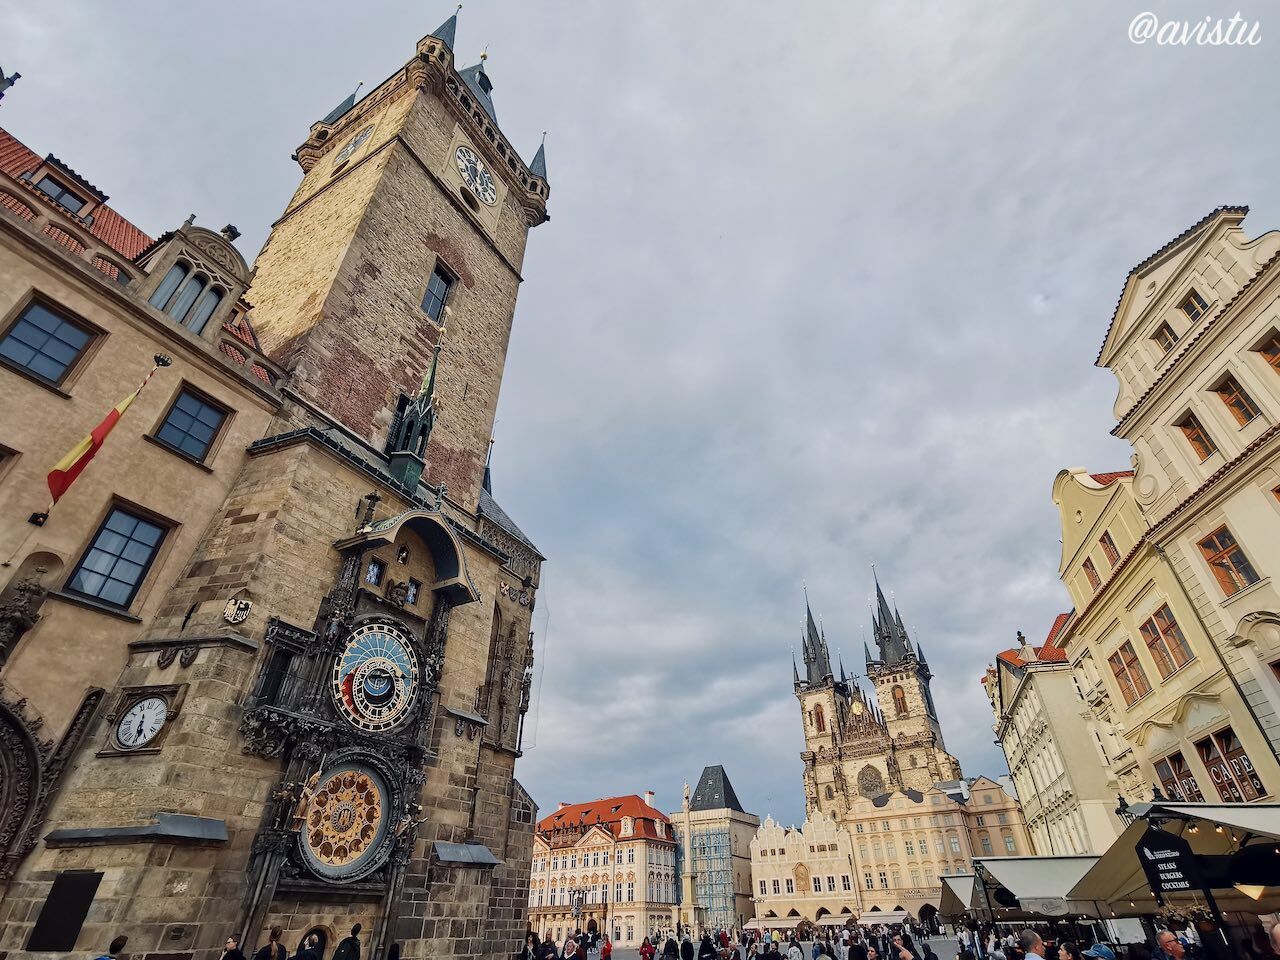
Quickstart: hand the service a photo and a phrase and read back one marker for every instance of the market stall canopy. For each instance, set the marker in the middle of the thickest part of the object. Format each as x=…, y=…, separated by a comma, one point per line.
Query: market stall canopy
x=960, y=895
x=1040, y=884
x=752, y=924
x=882, y=916
x=1119, y=882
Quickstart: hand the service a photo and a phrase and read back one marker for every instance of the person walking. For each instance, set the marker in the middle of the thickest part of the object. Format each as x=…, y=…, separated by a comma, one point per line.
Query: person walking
x=646, y=950
x=273, y=949
x=310, y=949
x=706, y=949
x=349, y=948
x=686, y=948
x=114, y=948
x=231, y=949
x=793, y=951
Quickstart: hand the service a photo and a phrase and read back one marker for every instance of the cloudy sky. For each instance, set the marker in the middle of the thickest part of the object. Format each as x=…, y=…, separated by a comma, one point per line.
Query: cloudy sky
x=822, y=287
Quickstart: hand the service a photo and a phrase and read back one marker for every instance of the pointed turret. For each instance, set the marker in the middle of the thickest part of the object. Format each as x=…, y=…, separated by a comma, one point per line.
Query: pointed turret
x=795, y=671
x=867, y=650
x=817, y=660
x=890, y=635
x=338, y=112
x=412, y=429
x=447, y=31
x=539, y=166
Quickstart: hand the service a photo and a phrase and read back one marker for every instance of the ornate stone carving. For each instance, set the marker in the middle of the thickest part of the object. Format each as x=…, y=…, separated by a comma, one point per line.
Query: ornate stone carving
x=166, y=657
x=188, y=656
x=21, y=610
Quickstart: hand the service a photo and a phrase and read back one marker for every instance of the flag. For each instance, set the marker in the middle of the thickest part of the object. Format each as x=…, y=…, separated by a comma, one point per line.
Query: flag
x=62, y=476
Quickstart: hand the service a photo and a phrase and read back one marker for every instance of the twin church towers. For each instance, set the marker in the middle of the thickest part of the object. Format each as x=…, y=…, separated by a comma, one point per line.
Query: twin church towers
x=861, y=743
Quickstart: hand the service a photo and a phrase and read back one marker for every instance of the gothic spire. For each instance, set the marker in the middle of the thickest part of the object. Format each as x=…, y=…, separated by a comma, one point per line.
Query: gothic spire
x=480, y=85
x=795, y=671
x=817, y=660
x=891, y=636
x=867, y=650
x=447, y=31
x=539, y=166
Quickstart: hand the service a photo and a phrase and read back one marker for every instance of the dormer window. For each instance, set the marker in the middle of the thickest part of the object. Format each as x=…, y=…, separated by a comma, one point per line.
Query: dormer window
x=60, y=195
x=1194, y=306
x=188, y=296
x=1165, y=337
x=628, y=826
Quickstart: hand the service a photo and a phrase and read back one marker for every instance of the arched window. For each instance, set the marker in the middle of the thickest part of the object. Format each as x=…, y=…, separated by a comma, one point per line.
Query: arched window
x=188, y=297
x=830, y=793
x=899, y=702
x=819, y=719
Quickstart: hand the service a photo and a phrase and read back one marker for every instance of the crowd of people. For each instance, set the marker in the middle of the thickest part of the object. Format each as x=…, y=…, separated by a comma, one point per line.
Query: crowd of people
x=1165, y=945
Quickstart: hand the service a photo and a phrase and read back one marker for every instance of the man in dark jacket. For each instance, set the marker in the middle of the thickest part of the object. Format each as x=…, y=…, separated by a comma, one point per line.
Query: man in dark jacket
x=686, y=949
x=349, y=948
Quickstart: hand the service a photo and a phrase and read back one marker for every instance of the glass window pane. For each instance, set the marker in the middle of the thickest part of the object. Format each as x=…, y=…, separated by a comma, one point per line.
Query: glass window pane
x=168, y=285
x=203, y=310
x=186, y=297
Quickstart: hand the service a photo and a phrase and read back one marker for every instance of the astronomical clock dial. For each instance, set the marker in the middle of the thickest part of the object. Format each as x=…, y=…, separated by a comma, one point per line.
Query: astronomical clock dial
x=141, y=722
x=476, y=175
x=354, y=144
x=375, y=677
x=346, y=822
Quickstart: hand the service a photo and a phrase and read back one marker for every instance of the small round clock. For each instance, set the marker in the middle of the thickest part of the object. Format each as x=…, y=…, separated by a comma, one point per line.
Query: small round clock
x=476, y=175
x=354, y=144
x=141, y=722
x=375, y=677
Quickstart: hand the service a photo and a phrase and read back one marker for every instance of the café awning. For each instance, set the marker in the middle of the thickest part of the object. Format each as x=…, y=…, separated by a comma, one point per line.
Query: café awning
x=960, y=895
x=1256, y=819
x=883, y=916
x=1040, y=884
x=1118, y=882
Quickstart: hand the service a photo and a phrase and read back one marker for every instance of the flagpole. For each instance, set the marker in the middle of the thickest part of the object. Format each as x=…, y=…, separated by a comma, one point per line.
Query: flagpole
x=41, y=518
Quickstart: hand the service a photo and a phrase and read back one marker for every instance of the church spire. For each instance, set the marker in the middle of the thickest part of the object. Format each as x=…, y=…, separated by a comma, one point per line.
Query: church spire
x=338, y=112
x=447, y=32
x=539, y=166
x=795, y=671
x=817, y=659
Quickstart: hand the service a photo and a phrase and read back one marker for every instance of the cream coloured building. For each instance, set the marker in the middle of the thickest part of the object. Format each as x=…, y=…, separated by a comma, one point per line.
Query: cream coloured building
x=1068, y=797
x=614, y=859
x=803, y=874
x=905, y=840
x=1195, y=345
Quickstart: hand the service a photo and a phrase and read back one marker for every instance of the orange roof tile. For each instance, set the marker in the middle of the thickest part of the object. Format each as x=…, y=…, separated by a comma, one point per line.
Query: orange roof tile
x=608, y=813
x=108, y=226
x=1059, y=622
x=1105, y=479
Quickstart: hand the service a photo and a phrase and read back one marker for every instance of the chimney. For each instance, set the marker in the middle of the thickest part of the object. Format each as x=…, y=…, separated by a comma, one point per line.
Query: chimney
x=648, y=797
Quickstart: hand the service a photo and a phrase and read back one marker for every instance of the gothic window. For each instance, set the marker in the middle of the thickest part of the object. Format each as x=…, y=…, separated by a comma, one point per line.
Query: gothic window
x=899, y=701
x=438, y=288
x=830, y=793
x=188, y=296
x=819, y=719
x=43, y=343
x=117, y=560
x=191, y=425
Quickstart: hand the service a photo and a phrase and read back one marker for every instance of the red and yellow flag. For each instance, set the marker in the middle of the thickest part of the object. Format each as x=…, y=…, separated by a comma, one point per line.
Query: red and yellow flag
x=62, y=476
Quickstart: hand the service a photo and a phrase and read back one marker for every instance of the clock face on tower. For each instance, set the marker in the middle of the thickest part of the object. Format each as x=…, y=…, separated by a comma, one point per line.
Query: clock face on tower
x=354, y=144
x=476, y=175
x=141, y=722
x=347, y=820
x=375, y=677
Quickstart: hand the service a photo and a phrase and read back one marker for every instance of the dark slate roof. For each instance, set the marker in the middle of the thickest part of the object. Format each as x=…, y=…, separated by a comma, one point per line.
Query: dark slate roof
x=341, y=109
x=479, y=84
x=715, y=792
x=447, y=31
x=539, y=166
x=489, y=508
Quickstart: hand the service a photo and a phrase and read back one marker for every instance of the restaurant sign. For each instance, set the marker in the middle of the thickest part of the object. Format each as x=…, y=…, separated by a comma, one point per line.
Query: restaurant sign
x=1169, y=863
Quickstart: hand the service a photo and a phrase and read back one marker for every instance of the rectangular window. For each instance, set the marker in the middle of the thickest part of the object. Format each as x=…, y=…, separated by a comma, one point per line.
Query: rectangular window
x=790, y=886
x=1238, y=402
x=631, y=892
x=955, y=844
x=1227, y=561
x=191, y=425
x=1009, y=845
x=884, y=881
x=374, y=573
x=1091, y=572
x=1178, y=781
x=438, y=288
x=764, y=890
x=1002, y=818
x=1128, y=673
x=1230, y=768
x=982, y=820
x=857, y=828
x=1164, y=337
x=986, y=846
x=60, y=195
x=411, y=591
x=777, y=888
x=1109, y=548
x=866, y=879
x=1270, y=351
x=910, y=847
x=1200, y=441
x=817, y=884
x=1165, y=641
x=43, y=343
x=844, y=883
x=117, y=560
x=1194, y=306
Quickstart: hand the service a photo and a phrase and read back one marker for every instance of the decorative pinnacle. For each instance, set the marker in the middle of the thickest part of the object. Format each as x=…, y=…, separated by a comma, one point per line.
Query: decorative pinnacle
x=484, y=54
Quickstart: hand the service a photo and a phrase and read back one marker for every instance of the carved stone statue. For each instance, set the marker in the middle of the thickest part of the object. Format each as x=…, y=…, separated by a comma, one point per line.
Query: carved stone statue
x=303, y=805
x=397, y=593
x=20, y=612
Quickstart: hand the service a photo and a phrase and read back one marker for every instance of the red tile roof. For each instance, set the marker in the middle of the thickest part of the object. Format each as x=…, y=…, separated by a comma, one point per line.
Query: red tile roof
x=608, y=813
x=1059, y=622
x=1047, y=653
x=108, y=226
x=1106, y=479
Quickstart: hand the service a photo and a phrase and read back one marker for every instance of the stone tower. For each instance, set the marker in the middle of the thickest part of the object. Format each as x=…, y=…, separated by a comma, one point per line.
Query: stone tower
x=901, y=677
x=848, y=752
x=338, y=676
